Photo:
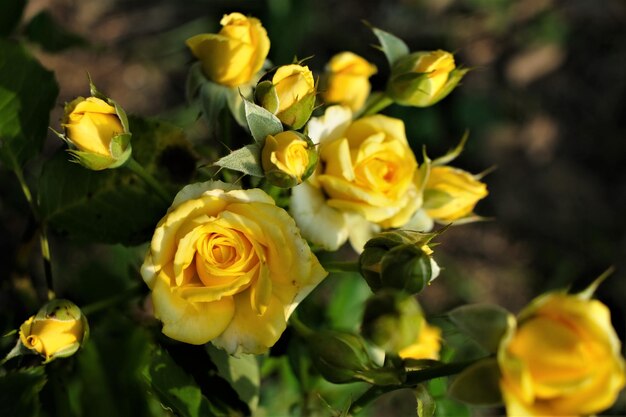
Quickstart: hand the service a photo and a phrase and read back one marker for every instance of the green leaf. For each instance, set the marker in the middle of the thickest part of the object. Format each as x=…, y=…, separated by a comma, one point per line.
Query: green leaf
x=45, y=31
x=485, y=324
x=393, y=47
x=246, y=160
x=241, y=372
x=425, y=403
x=115, y=206
x=19, y=392
x=10, y=15
x=27, y=93
x=478, y=385
x=176, y=389
x=261, y=122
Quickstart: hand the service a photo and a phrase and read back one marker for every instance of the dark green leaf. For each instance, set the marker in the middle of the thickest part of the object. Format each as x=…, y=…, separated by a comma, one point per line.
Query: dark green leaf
x=478, y=385
x=246, y=160
x=393, y=47
x=213, y=98
x=27, y=93
x=10, y=15
x=19, y=392
x=484, y=323
x=176, y=389
x=261, y=122
x=45, y=31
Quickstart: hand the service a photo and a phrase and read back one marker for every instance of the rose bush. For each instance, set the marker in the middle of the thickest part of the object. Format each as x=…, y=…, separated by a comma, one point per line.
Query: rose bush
x=562, y=359
x=235, y=54
x=228, y=266
x=367, y=174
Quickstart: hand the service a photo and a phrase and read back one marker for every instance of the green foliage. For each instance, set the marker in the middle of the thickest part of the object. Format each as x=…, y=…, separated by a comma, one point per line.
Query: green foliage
x=246, y=160
x=486, y=324
x=261, y=122
x=10, y=15
x=393, y=47
x=19, y=392
x=478, y=384
x=426, y=404
x=45, y=31
x=27, y=93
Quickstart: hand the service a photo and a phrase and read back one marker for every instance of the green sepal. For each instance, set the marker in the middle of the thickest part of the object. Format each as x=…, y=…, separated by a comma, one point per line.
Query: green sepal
x=453, y=153
x=393, y=47
x=479, y=384
x=91, y=161
x=485, y=324
x=246, y=160
x=265, y=94
x=195, y=80
x=454, y=78
x=299, y=113
x=426, y=404
x=213, y=98
x=261, y=122
x=121, y=149
x=406, y=267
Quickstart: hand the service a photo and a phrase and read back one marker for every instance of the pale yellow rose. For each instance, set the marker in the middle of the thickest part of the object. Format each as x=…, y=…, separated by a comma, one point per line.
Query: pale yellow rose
x=451, y=194
x=348, y=80
x=234, y=55
x=56, y=331
x=365, y=180
x=288, y=158
x=90, y=125
x=562, y=359
x=228, y=266
x=427, y=346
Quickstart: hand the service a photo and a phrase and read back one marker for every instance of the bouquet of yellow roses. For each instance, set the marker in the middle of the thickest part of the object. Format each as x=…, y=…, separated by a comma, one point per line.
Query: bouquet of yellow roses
x=273, y=271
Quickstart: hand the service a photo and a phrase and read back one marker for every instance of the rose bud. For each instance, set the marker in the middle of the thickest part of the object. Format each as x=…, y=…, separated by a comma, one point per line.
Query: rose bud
x=347, y=80
x=57, y=330
x=96, y=129
x=421, y=79
x=290, y=95
x=234, y=55
x=288, y=158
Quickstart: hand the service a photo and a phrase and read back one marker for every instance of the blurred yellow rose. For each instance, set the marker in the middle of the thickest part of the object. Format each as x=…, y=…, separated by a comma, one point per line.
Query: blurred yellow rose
x=228, y=266
x=451, y=194
x=562, y=359
x=235, y=54
x=423, y=78
x=288, y=158
x=365, y=180
x=90, y=124
x=348, y=80
x=56, y=331
x=427, y=346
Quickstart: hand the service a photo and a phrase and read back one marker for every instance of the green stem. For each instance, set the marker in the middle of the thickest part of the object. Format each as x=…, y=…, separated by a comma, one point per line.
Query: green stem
x=413, y=378
x=302, y=329
x=43, y=234
x=383, y=101
x=134, y=166
x=341, y=266
x=98, y=306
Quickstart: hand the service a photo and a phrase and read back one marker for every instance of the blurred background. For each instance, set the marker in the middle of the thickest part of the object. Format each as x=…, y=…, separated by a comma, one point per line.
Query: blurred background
x=545, y=105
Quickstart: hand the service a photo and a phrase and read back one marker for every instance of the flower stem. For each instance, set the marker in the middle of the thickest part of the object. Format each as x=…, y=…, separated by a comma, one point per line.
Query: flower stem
x=98, y=306
x=383, y=101
x=413, y=378
x=134, y=166
x=341, y=266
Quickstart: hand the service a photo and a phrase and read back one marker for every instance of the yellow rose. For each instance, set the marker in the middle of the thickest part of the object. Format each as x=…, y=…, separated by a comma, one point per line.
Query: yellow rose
x=288, y=158
x=348, y=80
x=451, y=194
x=56, y=331
x=228, y=266
x=427, y=346
x=562, y=359
x=235, y=54
x=364, y=180
x=96, y=129
x=295, y=90
x=423, y=78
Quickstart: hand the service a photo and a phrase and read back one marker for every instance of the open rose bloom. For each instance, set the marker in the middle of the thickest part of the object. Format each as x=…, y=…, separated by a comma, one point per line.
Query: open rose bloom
x=228, y=266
